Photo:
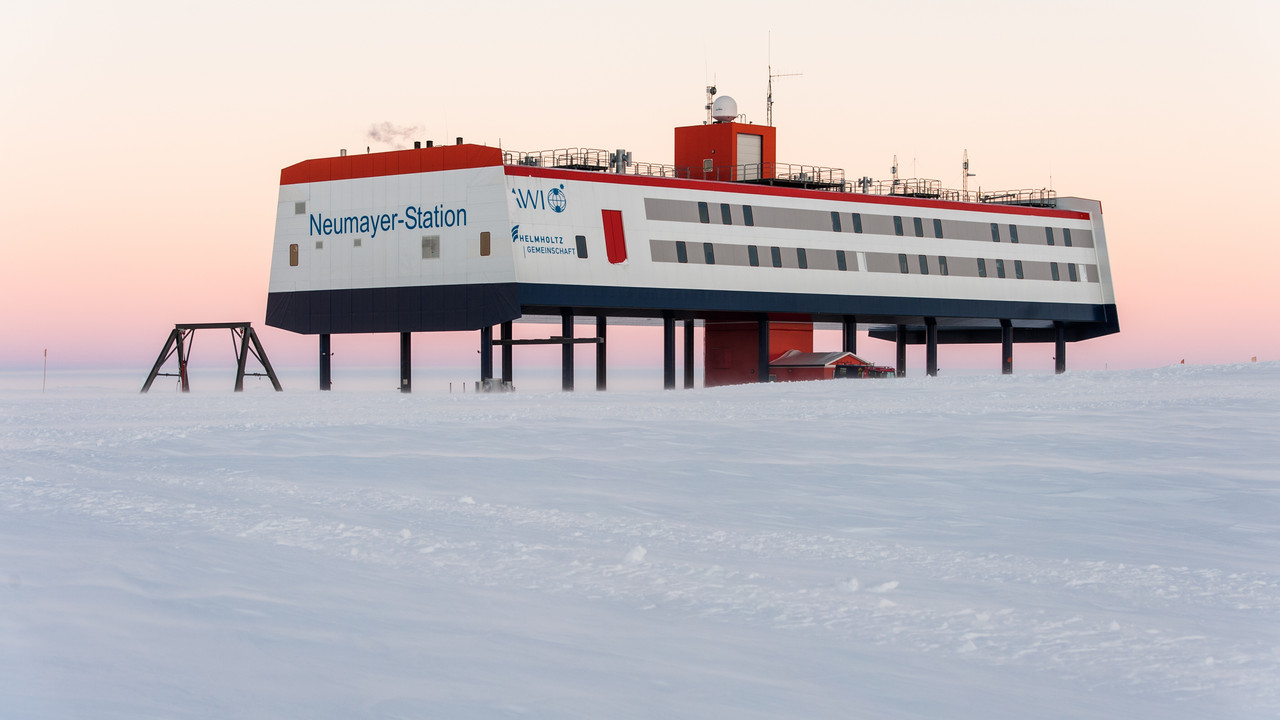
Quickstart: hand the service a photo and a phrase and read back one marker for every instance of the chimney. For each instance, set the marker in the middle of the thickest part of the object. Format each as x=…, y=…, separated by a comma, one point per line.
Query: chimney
x=417, y=144
x=459, y=141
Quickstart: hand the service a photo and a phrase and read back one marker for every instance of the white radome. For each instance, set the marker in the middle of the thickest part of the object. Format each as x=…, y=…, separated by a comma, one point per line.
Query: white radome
x=724, y=109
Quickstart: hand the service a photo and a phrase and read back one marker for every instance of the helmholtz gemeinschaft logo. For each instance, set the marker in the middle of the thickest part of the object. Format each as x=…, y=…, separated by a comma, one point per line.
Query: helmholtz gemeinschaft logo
x=554, y=199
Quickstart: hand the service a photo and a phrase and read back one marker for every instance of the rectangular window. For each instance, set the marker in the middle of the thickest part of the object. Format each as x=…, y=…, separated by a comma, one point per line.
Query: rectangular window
x=982, y=267
x=942, y=265
x=484, y=244
x=747, y=217
x=902, y=263
x=802, y=258
x=753, y=255
x=1053, y=270
x=897, y=225
x=319, y=244
x=581, y=242
x=776, y=254
x=924, y=265
x=615, y=241
x=835, y=221
x=999, y=268
x=1071, y=273
x=726, y=217
x=709, y=252
x=430, y=247
x=995, y=232
x=355, y=243
x=1017, y=269
x=1066, y=236
x=704, y=215
x=293, y=255
x=857, y=222
x=1048, y=236
x=1013, y=233
x=682, y=253
x=300, y=208
x=937, y=228
x=841, y=263
x=919, y=227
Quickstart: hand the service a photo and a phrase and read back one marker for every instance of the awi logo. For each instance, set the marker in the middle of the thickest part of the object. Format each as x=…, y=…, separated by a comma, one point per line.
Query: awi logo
x=554, y=199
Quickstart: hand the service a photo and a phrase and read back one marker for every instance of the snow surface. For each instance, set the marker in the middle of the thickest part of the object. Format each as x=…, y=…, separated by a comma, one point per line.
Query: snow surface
x=1090, y=545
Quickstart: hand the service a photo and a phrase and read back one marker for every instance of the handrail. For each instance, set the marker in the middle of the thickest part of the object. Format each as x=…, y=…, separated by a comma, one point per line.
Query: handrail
x=812, y=177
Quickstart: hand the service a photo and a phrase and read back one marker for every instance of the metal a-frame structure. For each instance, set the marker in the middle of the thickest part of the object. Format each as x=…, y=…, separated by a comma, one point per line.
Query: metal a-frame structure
x=243, y=340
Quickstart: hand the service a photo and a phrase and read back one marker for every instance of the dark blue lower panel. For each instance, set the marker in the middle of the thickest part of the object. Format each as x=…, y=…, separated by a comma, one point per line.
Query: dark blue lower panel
x=400, y=309
x=471, y=307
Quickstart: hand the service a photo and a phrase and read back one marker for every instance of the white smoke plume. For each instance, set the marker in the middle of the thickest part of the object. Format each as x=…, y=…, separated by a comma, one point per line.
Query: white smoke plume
x=397, y=136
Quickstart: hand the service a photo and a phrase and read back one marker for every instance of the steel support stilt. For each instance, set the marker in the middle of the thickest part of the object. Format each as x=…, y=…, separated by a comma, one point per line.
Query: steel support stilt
x=901, y=370
x=602, y=324
x=406, y=362
x=688, y=354
x=326, y=381
x=668, y=350
x=849, y=334
x=931, y=347
x=486, y=355
x=1006, y=347
x=1059, y=348
x=566, y=349
x=506, y=353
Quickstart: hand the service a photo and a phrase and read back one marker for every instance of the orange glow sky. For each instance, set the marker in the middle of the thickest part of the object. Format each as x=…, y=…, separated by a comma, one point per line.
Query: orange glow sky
x=144, y=141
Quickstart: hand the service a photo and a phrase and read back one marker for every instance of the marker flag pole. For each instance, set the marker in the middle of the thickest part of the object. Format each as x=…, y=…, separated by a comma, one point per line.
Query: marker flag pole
x=45, y=375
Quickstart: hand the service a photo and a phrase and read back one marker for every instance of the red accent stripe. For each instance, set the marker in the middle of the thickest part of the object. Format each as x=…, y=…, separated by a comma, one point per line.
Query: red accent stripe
x=397, y=162
x=769, y=190
x=615, y=241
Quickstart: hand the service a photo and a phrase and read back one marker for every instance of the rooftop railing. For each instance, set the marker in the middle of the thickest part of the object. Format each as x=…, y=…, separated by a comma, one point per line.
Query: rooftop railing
x=783, y=174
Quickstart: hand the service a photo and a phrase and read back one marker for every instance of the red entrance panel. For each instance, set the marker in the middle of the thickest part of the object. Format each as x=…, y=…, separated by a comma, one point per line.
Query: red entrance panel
x=615, y=242
x=732, y=355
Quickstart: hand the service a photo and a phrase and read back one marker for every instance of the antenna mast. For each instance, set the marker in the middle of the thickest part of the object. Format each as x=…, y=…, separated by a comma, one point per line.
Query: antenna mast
x=768, y=105
x=964, y=177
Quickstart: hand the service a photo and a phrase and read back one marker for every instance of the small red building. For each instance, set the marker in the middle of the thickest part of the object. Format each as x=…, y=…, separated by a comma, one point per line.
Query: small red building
x=796, y=365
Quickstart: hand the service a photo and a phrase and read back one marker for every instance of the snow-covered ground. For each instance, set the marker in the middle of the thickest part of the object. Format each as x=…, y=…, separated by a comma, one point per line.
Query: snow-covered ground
x=1102, y=545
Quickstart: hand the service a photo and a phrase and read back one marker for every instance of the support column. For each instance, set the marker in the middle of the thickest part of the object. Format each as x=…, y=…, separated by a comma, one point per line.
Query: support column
x=325, y=381
x=506, y=353
x=566, y=349
x=1006, y=347
x=668, y=350
x=602, y=323
x=406, y=362
x=242, y=360
x=849, y=334
x=762, y=347
x=688, y=354
x=931, y=346
x=901, y=336
x=486, y=355
x=1059, y=348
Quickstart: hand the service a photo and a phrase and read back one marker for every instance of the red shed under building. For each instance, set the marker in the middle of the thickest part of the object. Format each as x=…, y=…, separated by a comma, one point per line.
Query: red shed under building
x=796, y=365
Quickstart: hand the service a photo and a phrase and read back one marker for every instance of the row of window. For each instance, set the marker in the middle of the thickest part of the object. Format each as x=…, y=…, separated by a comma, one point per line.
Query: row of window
x=835, y=221
x=731, y=254
x=904, y=266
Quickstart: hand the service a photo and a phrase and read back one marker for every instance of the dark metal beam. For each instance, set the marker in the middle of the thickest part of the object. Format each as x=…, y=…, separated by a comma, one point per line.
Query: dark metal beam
x=486, y=354
x=1006, y=347
x=566, y=350
x=668, y=350
x=931, y=347
x=849, y=334
x=1059, y=348
x=406, y=362
x=901, y=368
x=688, y=354
x=326, y=382
x=506, y=353
x=602, y=324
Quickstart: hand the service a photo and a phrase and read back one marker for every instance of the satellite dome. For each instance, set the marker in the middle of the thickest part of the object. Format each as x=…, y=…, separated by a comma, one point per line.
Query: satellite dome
x=725, y=109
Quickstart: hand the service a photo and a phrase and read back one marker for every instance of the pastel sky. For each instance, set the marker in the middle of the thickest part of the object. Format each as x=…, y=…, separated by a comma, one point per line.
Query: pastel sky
x=145, y=139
